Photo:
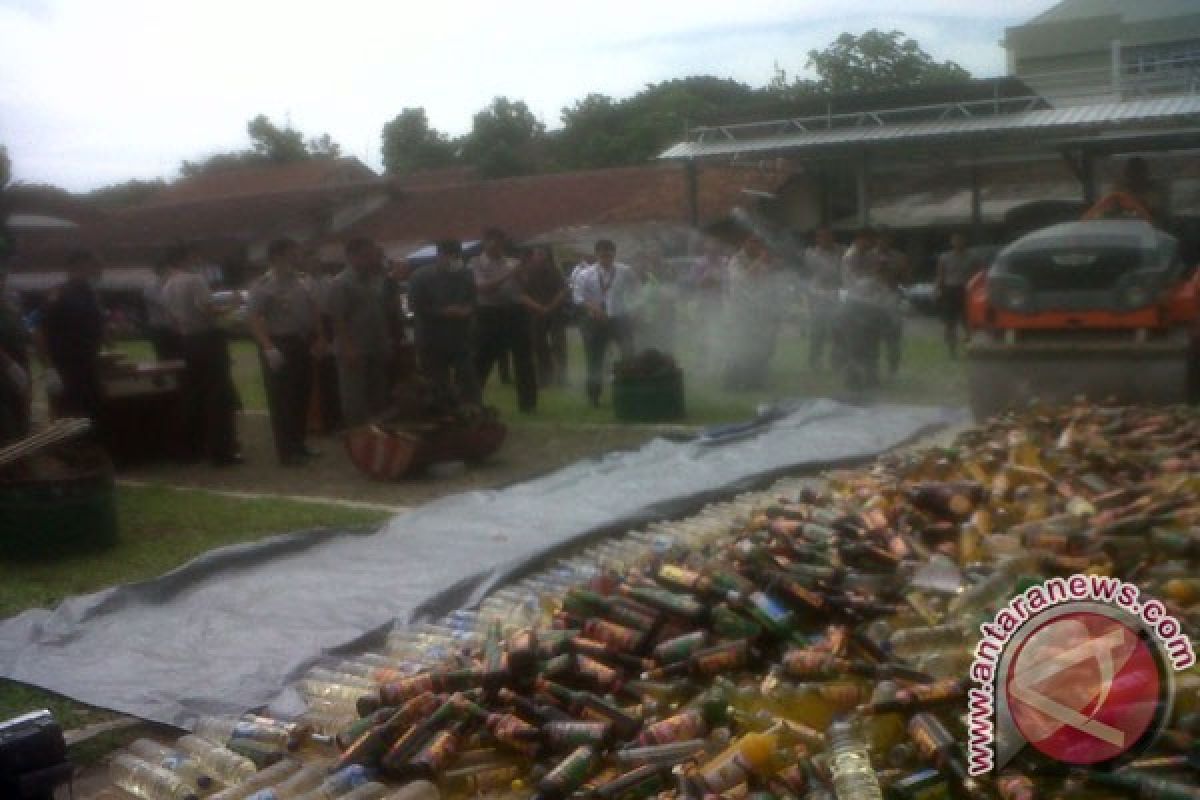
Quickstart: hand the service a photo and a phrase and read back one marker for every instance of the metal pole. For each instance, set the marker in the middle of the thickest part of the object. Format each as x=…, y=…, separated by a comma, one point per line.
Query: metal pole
x=1088, y=179
x=692, y=188
x=862, y=191
x=976, y=202
x=1116, y=67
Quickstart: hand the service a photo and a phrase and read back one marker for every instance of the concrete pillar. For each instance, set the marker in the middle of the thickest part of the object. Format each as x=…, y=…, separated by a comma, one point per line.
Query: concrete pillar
x=1087, y=176
x=976, y=202
x=1116, y=67
x=692, y=182
x=862, y=190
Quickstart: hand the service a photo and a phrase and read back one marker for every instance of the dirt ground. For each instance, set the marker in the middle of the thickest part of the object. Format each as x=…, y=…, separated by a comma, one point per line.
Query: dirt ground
x=531, y=449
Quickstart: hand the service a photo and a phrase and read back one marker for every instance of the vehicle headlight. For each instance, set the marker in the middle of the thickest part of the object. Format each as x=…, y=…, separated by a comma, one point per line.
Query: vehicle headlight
x=1016, y=298
x=1135, y=296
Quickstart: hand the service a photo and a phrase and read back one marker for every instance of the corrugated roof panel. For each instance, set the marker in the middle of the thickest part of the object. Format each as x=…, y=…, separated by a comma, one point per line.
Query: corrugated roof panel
x=1145, y=110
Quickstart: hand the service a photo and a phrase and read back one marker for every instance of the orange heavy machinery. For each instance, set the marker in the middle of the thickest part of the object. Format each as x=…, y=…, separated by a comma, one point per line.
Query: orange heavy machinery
x=1102, y=308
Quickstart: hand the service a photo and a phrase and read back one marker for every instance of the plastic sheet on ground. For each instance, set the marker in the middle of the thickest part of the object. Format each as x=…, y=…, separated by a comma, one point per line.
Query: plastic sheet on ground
x=229, y=630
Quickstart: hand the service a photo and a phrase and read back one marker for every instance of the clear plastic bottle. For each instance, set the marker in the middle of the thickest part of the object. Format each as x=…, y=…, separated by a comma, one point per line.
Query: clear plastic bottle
x=340, y=783
x=147, y=781
x=849, y=763
x=417, y=790
x=302, y=780
x=224, y=764
x=182, y=764
x=222, y=730
x=368, y=791
x=912, y=642
x=990, y=593
x=270, y=776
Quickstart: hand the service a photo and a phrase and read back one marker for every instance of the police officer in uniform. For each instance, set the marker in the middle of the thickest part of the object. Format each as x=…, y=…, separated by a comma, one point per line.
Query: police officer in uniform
x=283, y=320
x=70, y=338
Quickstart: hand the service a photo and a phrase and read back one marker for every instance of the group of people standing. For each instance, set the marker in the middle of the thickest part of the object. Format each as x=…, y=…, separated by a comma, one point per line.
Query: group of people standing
x=474, y=315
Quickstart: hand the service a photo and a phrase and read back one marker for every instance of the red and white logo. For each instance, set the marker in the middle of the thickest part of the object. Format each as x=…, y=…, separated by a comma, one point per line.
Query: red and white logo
x=1084, y=688
x=1079, y=668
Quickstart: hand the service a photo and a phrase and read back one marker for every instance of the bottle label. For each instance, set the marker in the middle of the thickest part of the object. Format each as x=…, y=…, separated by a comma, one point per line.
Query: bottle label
x=617, y=636
x=724, y=659
x=809, y=664
x=571, y=771
x=680, y=648
x=348, y=778
x=604, y=676
x=574, y=734
x=678, y=576
x=440, y=751
x=723, y=774
x=771, y=610
x=492, y=779
x=683, y=726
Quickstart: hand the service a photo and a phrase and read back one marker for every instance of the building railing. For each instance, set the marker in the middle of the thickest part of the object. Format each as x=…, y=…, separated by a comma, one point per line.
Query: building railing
x=1174, y=76
x=938, y=112
x=1127, y=76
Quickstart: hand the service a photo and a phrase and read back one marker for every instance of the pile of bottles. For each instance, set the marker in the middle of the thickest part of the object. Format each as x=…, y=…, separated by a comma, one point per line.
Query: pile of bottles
x=809, y=641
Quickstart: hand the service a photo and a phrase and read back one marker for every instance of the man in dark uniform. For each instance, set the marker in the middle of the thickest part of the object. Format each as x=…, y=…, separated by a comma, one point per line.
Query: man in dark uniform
x=70, y=338
x=442, y=296
x=283, y=320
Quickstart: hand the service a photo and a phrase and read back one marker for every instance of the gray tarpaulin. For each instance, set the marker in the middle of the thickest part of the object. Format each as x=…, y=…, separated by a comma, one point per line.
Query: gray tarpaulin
x=229, y=630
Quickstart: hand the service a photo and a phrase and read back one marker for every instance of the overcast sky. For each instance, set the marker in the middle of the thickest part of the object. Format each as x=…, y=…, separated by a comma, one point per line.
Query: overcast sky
x=94, y=92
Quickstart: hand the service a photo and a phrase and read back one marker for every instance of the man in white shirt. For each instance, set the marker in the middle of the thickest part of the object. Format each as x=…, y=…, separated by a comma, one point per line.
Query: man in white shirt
x=604, y=293
x=503, y=323
x=161, y=332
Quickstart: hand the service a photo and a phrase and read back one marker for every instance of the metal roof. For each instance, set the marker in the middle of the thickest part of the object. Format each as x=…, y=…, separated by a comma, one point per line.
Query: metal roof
x=958, y=123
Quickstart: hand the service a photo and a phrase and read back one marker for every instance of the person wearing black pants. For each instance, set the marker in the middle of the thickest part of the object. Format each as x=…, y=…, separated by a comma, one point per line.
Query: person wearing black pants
x=955, y=267
x=288, y=386
x=503, y=318
x=604, y=292
x=505, y=330
x=283, y=319
x=210, y=400
x=69, y=340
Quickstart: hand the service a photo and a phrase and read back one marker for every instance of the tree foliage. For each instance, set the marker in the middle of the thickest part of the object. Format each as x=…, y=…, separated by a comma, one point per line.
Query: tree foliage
x=122, y=195
x=506, y=139
x=269, y=144
x=876, y=61
x=409, y=144
x=601, y=132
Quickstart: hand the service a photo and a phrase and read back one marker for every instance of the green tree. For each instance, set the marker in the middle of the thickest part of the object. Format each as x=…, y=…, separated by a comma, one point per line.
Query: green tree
x=601, y=132
x=128, y=193
x=876, y=61
x=269, y=144
x=409, y=144
x=506, y=139
x=272, y=143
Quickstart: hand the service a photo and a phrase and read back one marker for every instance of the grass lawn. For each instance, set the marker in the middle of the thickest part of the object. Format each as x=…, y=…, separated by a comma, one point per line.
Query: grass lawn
x=159, y=529
x=927, y=375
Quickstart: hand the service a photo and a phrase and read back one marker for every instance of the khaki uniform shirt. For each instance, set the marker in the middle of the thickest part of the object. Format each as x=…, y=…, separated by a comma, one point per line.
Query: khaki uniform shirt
x=286, y=305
